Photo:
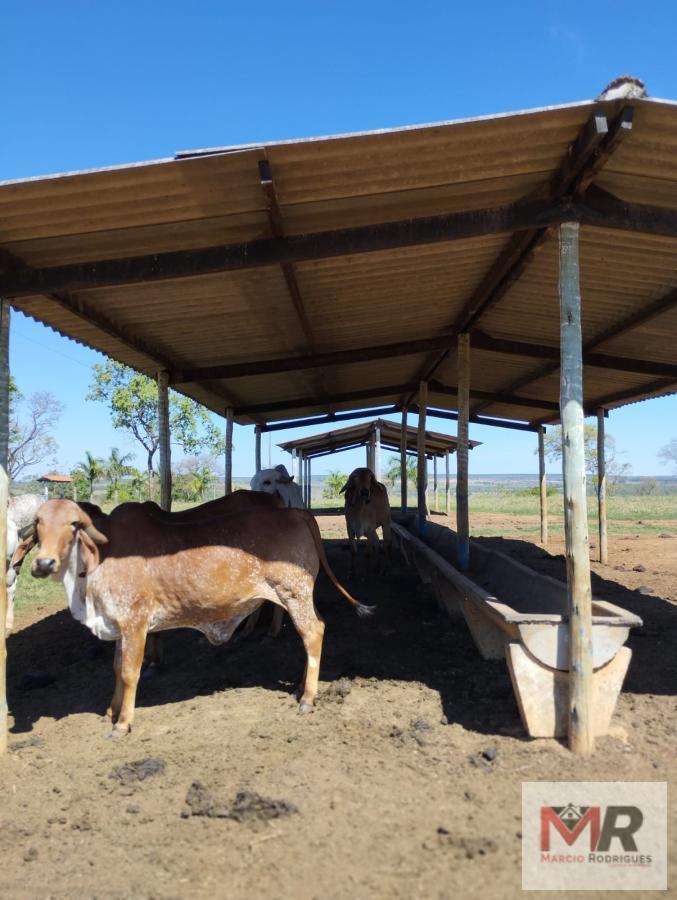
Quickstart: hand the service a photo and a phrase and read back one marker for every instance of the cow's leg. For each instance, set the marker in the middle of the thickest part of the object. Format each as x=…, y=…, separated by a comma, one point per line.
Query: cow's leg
x=311, y=630
x=155, y=653
x=352, y=540
x=276, y=623
x=372, y=551
x=113, y=710
x=387, y=543
x=251, y=623
x=131, y=652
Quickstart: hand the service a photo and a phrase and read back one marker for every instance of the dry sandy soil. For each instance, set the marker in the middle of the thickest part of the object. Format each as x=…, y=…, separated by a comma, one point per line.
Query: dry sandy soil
x=404, y=782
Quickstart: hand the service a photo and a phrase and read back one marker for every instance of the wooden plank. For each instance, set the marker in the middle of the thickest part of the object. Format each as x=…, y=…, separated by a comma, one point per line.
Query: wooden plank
x=422, y=468
x=484, y=420
x=165, y=443
x=4, y=498
x=229, y=451
x=579, y=592
x=276, y=251
x=543, y=486
x=463, y=405
x=328, y=418
x=403, y=461
x=601, y=488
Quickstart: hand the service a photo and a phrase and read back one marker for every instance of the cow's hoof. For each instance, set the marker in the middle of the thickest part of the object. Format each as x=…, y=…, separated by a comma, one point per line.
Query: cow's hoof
x=305, y=706
x=116, y=734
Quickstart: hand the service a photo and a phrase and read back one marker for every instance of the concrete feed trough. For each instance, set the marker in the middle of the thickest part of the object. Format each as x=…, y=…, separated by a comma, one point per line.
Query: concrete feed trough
x=517, y=614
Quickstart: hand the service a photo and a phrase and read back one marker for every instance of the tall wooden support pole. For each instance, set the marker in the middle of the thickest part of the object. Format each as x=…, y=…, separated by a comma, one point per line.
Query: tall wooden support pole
x=422, y=461
x=403, y=461
x=165, y=446
x=309, y=483
x=257, y=448
x=302, y=484
x=601, y=489
x=543, y=485
x=293, y=464
x=229, y=451
x=377, y=453
x=4, y=497
x=575, y=506
x=435, y=483
x=446, y=483
x=462, y=519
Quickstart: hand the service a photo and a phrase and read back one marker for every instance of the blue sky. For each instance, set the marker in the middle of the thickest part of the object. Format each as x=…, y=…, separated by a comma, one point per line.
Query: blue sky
x=91, y=84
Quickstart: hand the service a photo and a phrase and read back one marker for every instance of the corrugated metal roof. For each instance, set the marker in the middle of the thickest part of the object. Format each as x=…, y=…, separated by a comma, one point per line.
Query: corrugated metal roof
x=207, y=198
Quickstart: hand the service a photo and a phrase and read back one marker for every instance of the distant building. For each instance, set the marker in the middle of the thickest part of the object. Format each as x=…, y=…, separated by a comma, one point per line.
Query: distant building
x=53, y=478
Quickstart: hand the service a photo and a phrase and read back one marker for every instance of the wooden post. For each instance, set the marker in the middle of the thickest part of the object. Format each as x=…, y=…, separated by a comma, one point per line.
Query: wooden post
x=543, y=485
x=403, y=462
x=257, y=450
x=301, y=483
x=462, y=520
x=293, y=464
x=422, y=461
x=165, y=445
x=435, y=482
x=446, y=483
x=575, y=505
x=601, y=489
x=377, y=453
x=309, y=502
x=4, y=498
x=229, y=451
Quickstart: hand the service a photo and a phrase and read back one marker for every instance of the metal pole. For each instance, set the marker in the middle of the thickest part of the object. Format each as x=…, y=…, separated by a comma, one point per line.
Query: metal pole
x=165, y=445
x=543, y=485
x=422, y=461
x=403, y=462
x=581, y=738
x=257, y=448
x=462, y=519
x=601, y=489
x=229, y=451
x=377, y=453
x=4, y=498
x=446, y=483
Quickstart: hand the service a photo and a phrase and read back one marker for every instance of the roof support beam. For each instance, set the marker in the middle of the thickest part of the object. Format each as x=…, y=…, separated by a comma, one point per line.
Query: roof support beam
x=276, y=251
x=332, y=417
x=657, y=387
x=481, y=341
x=482, y=420
x=583, y=160
x=435, y=387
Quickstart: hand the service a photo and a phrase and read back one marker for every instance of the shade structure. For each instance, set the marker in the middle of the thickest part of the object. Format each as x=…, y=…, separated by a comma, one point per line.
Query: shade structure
x=328, y=442
x=302, y=277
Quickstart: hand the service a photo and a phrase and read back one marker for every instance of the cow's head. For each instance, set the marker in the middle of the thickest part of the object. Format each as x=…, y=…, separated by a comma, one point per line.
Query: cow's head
x=359, y=486
x=59, y=525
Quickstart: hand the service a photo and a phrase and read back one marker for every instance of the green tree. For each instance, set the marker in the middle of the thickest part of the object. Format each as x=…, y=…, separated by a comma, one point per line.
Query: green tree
x=91, y=468
x=668, y=455
x=615, y=469
x=31, y=420
x=117, y=467
x=132, y=400
x=333, y=483
x=392, y=473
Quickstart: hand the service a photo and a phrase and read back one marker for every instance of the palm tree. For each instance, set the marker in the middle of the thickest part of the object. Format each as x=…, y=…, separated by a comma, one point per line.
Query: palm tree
x=91, y=468
x=392, y=474
x=333, y=482
x=117, y=467
x=202, y=478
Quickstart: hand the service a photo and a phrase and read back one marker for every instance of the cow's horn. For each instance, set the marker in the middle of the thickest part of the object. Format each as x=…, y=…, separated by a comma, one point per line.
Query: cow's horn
x=27, y=531
x=95, y=534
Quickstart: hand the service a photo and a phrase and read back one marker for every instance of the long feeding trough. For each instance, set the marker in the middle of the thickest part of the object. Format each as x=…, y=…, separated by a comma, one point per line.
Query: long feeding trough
x=513, y=270
x=518, y=615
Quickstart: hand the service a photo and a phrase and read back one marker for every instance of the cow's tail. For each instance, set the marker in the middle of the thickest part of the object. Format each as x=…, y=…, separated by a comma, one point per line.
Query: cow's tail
x=361, y=608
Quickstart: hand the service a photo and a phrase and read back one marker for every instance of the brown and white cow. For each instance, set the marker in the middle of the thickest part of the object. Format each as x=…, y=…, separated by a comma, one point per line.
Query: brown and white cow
x=141, y=575
x=366, y=509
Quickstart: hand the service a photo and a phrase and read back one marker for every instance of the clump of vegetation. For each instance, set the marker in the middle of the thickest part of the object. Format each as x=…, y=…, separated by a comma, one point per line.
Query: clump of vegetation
x=333, y=483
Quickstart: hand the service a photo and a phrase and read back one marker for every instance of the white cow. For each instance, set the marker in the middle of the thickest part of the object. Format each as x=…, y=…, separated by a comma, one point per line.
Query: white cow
x=23, y=509
x=21, y=512
x=279, y=481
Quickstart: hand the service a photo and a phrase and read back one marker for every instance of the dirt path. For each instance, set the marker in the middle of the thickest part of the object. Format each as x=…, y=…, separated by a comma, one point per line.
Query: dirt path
x=382, y=792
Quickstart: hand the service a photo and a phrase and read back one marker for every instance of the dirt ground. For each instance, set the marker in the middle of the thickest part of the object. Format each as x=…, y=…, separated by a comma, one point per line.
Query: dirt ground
x=404, y=782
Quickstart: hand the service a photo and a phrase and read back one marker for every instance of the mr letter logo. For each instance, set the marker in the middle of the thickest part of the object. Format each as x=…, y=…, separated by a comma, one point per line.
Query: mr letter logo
x=570, y=821
x=619, y=842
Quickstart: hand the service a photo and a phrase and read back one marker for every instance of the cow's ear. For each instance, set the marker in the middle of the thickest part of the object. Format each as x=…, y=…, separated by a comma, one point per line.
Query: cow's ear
x=90, y=551
x=20, y=553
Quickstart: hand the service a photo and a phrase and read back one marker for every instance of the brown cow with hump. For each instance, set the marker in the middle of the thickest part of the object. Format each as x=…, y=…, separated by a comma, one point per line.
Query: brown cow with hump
x=366, y=509
x=140, y=574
